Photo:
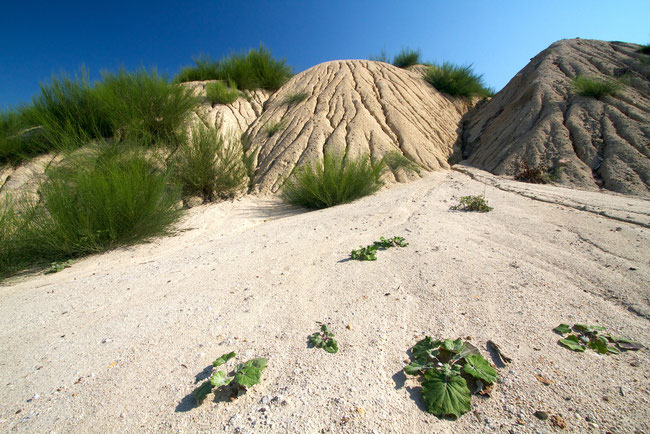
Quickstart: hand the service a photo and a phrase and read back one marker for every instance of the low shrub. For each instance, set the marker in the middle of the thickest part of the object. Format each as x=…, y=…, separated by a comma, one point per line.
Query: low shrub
x=533, y=174
x=472, y=203
x=210, y=165
x=406, y=57
x=596, y=88
x=645, y=49
x=145, y=107
x=256, y=69
x=219, y=93
x=457, y=80
x=295, y=98
x=335, y=180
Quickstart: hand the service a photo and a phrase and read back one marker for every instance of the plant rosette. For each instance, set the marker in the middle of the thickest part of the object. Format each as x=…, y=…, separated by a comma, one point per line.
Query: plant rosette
x=244, y=376
x=325, y=340
x=448, y=370
x=594, y=337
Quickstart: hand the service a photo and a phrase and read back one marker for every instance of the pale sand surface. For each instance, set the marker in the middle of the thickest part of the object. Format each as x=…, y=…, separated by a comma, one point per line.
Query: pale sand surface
x=115, y=343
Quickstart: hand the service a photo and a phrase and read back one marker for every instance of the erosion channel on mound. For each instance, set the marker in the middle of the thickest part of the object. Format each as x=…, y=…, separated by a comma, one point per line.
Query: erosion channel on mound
x=538, y=118
x=357, y=107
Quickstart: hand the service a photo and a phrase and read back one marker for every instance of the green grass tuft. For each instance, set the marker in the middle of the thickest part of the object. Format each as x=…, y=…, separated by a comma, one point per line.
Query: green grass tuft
x=219, y=93
x=210, y=165
x=406, y=57
x=295, y=98
x=381, y=57
x=596, y=88
x=256, y=69
x=19, y=138
x=145, y=107
x=457, y=80
x=335, y=180
x=273, y=127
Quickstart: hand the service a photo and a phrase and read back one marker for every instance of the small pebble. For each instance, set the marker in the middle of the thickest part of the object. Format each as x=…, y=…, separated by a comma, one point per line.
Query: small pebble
x=541, y=415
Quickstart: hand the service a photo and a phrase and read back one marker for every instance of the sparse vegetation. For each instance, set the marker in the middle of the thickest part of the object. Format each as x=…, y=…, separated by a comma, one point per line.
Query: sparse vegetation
x=406, y=57
x=295, y=98
x=219, y=93
x=457, y=80
x=255, y=70
x=369, y=253
x=245, y=375
x=144, y=106
x=450, y=369
x=645, y=49
x=593, y=337
x=324, y=339
x=596, y=88
x=273, y=127
x=381, y=57
x=210, y=165
x=335, y=180
x=533, y=174
x=472, y=203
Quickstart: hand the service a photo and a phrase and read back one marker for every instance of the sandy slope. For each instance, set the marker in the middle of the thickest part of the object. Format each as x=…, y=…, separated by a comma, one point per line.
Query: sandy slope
x=116, y=342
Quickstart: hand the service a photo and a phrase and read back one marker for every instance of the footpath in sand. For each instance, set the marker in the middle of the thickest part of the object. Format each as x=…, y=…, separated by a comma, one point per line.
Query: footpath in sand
x=118, y=341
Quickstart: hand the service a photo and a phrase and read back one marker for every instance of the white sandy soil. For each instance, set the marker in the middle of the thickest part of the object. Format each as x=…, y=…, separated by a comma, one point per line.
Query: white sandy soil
x=118, y=341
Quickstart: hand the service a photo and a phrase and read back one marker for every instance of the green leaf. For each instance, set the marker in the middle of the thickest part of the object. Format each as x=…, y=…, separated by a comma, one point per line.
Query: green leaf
x=599, y=345
x=573, y=343
x=323, y=328
x=223, y=359
x=416, y=368
x=562, y=329
x=627, y=344
x=331, y=346
x=316, y=340
x=426, y=350
x=249, y=373
x=587, y=329
x=459, y=348
x=613, y=350
x=478, y=367
x=445, y=395
x=202, y=391
x=219, y=379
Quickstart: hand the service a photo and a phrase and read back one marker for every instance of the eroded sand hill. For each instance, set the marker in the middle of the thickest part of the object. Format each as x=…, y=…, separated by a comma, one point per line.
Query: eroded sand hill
x=537, y=118
x=358, y=107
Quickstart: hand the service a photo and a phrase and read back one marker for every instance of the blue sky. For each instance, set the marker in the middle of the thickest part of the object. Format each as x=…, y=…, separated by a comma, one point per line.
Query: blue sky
x=497, y=37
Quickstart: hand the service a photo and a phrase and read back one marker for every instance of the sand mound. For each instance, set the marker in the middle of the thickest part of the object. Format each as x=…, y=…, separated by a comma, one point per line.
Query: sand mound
x=537, y=118
x=233, y=118
x=357, y=106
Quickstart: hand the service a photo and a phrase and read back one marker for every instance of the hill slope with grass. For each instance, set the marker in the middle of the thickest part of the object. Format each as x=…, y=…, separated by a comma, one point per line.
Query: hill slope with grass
x=354, y=106
x=579, y=111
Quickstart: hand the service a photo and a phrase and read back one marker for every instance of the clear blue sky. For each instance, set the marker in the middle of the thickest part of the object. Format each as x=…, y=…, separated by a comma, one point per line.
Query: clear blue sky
x=38, y=38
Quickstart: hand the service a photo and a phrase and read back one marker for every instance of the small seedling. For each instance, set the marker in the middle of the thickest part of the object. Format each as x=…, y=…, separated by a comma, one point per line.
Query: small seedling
x=325, y=340
x=585, y=336
x=369, y=253
x=244, y=376
x=55, y=267
x=449, y=369
x=472, y=203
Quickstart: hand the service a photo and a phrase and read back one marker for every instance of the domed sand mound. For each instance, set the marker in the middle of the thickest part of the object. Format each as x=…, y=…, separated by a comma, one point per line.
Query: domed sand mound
x=540, y=119
x=353, y=106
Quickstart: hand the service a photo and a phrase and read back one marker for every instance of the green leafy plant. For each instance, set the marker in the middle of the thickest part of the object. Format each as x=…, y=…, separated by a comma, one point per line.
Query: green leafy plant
x=295, y=98
x=55, y=267
x=472, y=203
x=219, y=93
x=593, y=337
x=448, y=369
x=406, y=57
x=273, y=127
x=596, y=88
x=210, y=165
x=457, y=80
x=324, y=339
x=369, y=253
x=244, y=376
x=256, y=69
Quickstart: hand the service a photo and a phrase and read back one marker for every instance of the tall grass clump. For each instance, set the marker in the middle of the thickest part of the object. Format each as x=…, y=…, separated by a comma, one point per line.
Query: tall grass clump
x=457, y=80
x=406, y=57
x=100, y=199
x=19, y=138
x=219, y=92
x=335, y=180
x=69, y=112
x=14, y=250
x=596, y=88
x=256, y=69
x=145, y=107
x=210, y=165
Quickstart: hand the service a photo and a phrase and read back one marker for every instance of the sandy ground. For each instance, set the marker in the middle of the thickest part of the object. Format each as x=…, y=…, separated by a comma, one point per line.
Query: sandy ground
x=118, y=341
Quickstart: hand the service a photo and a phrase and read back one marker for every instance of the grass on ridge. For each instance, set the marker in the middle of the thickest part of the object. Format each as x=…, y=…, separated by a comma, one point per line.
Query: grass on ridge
x=596, y=88
x=406, y=57
x=219, y=93
x=295, y=98
x=457, y=80
x=381, y=57
x=273, y=127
